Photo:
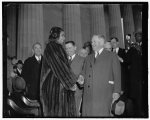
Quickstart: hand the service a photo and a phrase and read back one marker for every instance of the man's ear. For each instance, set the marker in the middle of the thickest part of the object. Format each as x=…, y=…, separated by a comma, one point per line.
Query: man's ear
x=32, y=51
x=118, y=43
x=75, y=47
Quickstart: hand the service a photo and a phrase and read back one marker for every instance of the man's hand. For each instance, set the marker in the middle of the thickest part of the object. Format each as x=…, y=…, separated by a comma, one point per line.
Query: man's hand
x=74, y=88
x=80, y=79
x=115, y=96
x=120, y=59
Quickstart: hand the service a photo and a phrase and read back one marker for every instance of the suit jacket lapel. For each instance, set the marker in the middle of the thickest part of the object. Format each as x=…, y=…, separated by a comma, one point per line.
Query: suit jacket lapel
x=92, y=59
x=99, y=56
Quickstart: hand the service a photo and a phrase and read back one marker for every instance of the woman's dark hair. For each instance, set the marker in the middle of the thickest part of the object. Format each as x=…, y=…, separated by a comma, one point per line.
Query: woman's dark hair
x=88, y=45
x=55, y=33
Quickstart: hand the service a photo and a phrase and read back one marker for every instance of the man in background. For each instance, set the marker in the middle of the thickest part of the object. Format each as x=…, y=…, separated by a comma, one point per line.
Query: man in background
x=76, y=63
x=31, y=72
x=108, y=46
x=134, y=59
x=120, y=52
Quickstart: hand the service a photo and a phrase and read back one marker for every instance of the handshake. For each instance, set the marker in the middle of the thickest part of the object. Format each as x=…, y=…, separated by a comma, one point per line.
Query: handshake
x=80, y=81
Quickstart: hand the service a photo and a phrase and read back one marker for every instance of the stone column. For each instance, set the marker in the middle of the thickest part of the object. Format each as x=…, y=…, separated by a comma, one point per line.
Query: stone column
x=115, y=23
x=72, y=24
x=30, y=29
x=11, y=29
x=137, y=15
x=128, y=21
x=97, y=19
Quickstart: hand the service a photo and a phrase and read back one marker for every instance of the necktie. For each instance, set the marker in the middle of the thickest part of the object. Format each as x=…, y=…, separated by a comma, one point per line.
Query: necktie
x=114, y=50
x=96, y=54
x=39, y=60
x=70, y=59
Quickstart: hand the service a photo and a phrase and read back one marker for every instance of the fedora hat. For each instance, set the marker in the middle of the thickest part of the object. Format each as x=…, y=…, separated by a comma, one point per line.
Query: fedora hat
x=118, y=108
x=19, y=84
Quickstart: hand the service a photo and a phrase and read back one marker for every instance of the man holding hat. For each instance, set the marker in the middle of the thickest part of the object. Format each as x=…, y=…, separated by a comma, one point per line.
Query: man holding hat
x=134, y=59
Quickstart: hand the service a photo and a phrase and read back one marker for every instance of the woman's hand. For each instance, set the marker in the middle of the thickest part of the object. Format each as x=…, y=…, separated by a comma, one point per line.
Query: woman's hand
x=74, y=88
x=80, y=79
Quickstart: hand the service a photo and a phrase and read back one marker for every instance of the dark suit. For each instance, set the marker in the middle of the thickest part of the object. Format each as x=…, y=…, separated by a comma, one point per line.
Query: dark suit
x=31, y=73
x=18, y=73
x=124, y=80
x=134, y=58
x=76, y=66
x=98, y=86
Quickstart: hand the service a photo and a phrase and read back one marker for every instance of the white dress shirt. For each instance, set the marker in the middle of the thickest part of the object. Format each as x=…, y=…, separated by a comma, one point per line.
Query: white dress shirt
x=98, y=52
x=38, y=58
x=116, y=50
x=72, y=57
x=19, y=70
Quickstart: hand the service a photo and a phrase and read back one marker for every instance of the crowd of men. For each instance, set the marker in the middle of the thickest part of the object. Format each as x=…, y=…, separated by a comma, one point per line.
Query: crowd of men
x=106, y=73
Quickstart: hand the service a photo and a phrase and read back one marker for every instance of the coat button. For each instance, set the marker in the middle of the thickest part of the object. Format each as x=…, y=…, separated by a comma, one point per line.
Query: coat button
x=88, y=86
x=90, y=65
x=89, y=75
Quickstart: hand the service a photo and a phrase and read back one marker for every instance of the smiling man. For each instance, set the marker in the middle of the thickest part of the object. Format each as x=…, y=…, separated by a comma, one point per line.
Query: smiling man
x=76, y=63
x=31, y=72
x=102, y=77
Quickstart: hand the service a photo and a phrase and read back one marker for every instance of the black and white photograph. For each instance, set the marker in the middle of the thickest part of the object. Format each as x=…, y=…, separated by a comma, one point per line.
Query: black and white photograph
x=74, y=59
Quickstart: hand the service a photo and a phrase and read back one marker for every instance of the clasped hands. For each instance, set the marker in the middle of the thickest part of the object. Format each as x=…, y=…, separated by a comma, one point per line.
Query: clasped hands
x=80, y=81
x=120, y=59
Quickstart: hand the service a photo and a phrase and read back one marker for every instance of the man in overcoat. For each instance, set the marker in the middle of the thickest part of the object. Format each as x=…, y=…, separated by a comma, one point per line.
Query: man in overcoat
x=76, y=64
x=102, y=80
x=31, y=72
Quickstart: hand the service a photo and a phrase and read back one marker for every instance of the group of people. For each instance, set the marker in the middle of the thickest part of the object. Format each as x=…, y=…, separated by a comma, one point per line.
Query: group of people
x=68, y=83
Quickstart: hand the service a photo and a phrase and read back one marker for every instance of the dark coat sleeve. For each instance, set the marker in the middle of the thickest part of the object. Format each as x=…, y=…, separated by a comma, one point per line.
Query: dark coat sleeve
x=26, y=72
x=59, y=67
x=131, y=55
x=116, y=74
x=83, y=72
x=122, y=54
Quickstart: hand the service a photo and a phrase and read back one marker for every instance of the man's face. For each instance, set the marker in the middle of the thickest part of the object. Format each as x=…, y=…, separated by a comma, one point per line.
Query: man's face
x=14, y=61
x=19, y=66
x=97, y=43
x=37, y=50
x=128, y=37
x=108, y=46
x=61, y=37
x=138, y=37
x=70, y=49
x=114, y=43
x=83, y=52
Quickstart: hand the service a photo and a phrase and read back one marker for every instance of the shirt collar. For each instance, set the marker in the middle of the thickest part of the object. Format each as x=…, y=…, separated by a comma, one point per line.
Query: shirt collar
x=72, y=57
x=117, y=49
x=100, y=51
x=19, y=70
x=38, y=58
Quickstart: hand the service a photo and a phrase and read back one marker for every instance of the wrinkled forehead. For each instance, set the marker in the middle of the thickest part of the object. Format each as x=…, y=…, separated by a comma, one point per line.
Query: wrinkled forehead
x=62, y=33
x=69, y=45
x=95, y=38
x=37, y=46
x=113, y=40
